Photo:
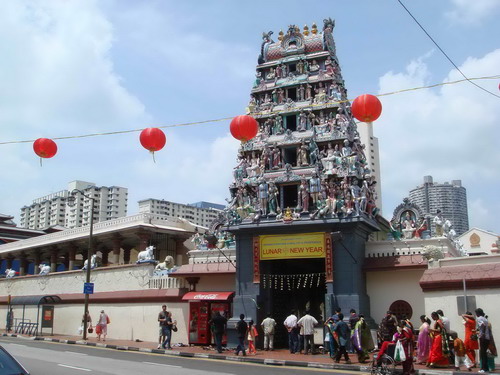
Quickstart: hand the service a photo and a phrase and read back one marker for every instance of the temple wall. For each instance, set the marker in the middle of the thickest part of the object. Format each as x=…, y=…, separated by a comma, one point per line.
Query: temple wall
x=386, y=287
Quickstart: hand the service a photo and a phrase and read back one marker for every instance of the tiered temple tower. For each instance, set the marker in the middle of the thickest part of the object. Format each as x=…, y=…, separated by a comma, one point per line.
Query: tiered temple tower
x=303, y=199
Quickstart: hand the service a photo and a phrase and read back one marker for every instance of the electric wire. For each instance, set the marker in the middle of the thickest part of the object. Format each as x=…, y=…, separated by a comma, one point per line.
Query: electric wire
x=255, y=114
x=444, y=53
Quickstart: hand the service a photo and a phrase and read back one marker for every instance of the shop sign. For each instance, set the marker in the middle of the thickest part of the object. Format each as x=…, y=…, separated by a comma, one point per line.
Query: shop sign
x=292, y=246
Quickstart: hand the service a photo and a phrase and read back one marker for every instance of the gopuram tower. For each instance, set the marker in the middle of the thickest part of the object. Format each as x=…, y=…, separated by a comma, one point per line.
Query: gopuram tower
x=303, y=200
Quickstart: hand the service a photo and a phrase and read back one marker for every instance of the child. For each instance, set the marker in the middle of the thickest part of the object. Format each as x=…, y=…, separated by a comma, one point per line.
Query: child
x=460, y=353
x=251, y=333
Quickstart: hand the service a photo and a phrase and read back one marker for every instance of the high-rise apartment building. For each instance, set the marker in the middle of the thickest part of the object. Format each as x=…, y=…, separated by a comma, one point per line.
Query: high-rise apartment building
x=450, y=198
x=50, y=210
x=199, y=213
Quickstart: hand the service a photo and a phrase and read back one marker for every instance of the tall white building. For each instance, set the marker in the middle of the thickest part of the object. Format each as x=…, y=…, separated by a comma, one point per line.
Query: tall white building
x=450, y=198
x=199, y=213
x=365, y=130
x=51, y=210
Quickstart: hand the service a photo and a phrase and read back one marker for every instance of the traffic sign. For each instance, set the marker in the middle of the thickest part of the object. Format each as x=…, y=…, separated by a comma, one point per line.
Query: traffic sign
x=88, y=288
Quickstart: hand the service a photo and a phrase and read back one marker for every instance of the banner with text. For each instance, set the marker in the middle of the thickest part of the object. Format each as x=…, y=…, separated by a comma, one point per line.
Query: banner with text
x=292, y=246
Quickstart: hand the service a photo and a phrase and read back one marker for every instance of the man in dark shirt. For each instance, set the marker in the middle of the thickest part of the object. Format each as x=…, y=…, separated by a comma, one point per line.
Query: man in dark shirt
x=241, y=328
x=219, y=323
x=344, y=335
x=387, y=328
x=162, y=318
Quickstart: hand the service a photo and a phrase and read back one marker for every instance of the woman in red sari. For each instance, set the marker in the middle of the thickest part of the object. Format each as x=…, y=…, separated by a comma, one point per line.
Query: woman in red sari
x=440, y=351
x=405, y=331
x=470, y=341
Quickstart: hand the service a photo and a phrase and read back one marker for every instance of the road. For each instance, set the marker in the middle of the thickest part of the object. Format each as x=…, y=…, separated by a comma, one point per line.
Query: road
x=46, y=358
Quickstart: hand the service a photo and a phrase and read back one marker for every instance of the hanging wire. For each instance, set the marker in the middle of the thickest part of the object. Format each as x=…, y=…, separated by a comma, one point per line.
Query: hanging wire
x=444, y=53
x=255, y=114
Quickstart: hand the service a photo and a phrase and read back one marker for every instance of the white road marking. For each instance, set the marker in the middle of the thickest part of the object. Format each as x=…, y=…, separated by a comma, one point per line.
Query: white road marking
x=161, y=364
x=67, y=351
x=75, y=368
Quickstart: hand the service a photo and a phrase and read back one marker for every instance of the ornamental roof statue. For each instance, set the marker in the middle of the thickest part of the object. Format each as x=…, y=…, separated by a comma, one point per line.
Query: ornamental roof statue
x=307, y=153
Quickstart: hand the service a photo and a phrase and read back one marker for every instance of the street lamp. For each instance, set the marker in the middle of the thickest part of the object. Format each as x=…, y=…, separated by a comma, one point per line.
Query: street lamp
x=71, y=200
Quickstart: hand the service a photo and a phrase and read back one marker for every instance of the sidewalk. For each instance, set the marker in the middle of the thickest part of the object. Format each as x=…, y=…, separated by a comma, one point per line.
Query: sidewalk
x=279, y=357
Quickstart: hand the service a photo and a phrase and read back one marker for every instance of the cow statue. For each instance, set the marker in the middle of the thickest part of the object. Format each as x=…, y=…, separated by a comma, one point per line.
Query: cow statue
x=146, y=256
x=44, y=269
x=93, y=262
x=10, y=273
x=432, y=253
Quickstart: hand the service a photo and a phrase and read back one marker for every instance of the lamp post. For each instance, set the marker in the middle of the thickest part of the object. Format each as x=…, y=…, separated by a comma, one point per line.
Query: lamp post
x=89, y=255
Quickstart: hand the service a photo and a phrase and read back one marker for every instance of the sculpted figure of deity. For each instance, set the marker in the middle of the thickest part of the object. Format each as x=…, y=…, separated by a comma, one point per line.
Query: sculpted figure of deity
x=271, y=74
x=267, y=98
x=356, y=195
x=268, y=126
x=334, y=92
x=284, y=70
x=274, y=96
x=320, y=93
x=266, y=158
x=254, y=169
x=311, y=120
x=315, y=188
x=330, y=160
x=300, y=67
x=329, y=67
x=421, y=227
x=308, y=92
x=314, y=67
x=438, y=222
x=263, y=195
x=278, y=125
x=313, y=152
x=302, y=121
x=278, y=71
x=408, y=226
x=276, y=154
x=273, y=199
x=281, y=96
x=302, y=155
x=342, y=121
x=303, y=197
x=301, y=93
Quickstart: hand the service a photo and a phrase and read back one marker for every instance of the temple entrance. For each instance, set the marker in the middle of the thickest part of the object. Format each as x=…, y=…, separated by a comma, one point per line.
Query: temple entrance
x=297, y=284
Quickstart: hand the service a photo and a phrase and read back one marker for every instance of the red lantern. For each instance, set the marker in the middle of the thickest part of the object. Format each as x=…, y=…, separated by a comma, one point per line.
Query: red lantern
x=244, y=128
x=366, y=108
x=153, y=139
x=45, y=148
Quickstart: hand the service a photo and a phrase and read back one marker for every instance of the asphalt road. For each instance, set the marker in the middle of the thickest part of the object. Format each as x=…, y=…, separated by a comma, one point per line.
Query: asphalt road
x=45, y=358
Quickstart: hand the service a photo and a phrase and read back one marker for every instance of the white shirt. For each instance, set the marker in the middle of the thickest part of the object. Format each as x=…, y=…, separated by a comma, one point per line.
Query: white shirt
x=446, y=323
x=268, y=324
x=308, y=322
x=290, y=322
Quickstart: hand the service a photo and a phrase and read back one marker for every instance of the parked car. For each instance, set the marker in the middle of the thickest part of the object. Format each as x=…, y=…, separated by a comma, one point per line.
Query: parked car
x=9, y=365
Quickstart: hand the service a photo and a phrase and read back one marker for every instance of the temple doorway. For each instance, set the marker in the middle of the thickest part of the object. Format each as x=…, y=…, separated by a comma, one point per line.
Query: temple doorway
x=292, y=284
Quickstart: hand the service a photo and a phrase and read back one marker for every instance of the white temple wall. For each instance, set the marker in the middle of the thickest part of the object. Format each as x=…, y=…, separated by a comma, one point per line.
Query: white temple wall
x=386, y=287
x=217, y=283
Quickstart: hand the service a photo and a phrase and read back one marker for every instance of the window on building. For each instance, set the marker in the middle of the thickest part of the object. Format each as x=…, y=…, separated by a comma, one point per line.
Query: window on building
x=291, y=122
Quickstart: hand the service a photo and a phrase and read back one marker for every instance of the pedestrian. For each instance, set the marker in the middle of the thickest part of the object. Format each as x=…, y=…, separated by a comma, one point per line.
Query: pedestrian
x=102, y=326
x=251, y=335
x=219, y=324
x=445, y=320
x=335, y=316
x=362, y=339
x=492, y=349
x=10, y=320
x=405, y=336
x=387, y=328
x=332, y=342
x=162, y=318
x=440, y=351
x=268, y=326
x=344, y=334
x=470, y=340
x=353, y=319
x=290, y=324
x=87, y=318
x=241, y=330
x=424, y=340
x=460, y=353
x=484, y=339
x=170, y=326
x=307, y=323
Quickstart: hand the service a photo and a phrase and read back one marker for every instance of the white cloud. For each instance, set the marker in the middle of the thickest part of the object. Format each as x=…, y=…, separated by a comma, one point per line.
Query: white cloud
x=472, y=12
x=450, y=133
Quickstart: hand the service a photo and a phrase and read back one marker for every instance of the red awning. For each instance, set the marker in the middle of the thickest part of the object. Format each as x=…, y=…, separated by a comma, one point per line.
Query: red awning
x=207, y=296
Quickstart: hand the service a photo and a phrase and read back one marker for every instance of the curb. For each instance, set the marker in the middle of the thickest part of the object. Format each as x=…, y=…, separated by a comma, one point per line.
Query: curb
x=233, y=358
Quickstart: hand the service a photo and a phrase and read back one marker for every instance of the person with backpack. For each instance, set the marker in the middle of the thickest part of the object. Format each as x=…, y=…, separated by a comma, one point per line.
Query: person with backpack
x=241, y=329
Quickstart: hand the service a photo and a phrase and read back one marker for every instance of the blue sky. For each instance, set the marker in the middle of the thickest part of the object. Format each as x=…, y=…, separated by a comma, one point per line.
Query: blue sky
x=78, y=67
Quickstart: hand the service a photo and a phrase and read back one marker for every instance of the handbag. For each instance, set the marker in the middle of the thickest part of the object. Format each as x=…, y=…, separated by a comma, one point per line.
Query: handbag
x=399, y=353
x=473, y=337
x=90, y=329
x=98, y=329
x=174, y=328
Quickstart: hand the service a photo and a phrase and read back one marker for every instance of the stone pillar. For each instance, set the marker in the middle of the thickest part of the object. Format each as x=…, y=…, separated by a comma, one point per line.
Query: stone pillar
x=36, y=261
x=126, y=254
x=105, y=258
x=72, y=256
x=53, y=259
x=8, y=261
x=22, y=264
x=117, y=245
